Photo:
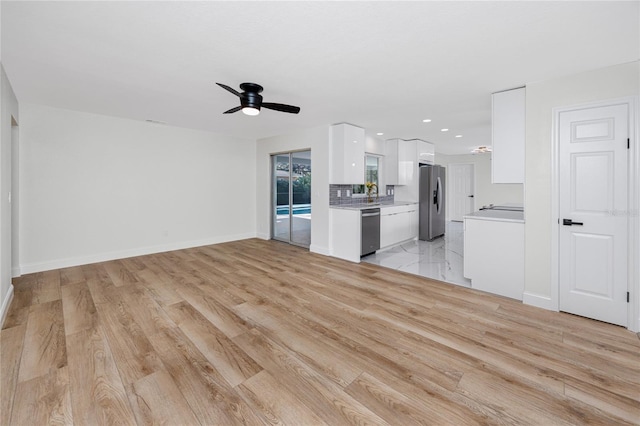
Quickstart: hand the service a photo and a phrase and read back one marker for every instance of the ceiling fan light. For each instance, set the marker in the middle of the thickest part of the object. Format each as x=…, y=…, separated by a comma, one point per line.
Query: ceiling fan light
x=481, y=150
x=250, y=111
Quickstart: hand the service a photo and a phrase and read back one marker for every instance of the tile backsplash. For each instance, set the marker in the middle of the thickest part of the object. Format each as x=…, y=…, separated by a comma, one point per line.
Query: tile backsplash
x=334, y=200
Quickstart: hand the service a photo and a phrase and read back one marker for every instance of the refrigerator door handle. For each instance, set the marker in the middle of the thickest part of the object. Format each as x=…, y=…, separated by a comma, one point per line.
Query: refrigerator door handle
x=438, y=193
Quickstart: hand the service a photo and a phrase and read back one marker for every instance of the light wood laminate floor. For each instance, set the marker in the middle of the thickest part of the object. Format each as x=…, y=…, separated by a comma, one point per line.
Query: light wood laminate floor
x=260, y=332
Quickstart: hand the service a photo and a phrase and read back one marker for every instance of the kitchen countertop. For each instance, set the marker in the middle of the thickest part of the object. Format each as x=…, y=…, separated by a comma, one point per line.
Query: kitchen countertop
x=372, y=205
x=498, y=215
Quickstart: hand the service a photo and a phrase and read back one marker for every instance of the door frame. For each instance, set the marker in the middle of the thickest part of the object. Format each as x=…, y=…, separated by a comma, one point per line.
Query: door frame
x=272, y=199
x=15, y=199
x=450, y=186
x=633, y=196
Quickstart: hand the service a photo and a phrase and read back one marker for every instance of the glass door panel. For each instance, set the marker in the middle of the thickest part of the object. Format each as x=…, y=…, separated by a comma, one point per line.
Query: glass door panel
x=291, y=194
x=301, y=196
x=282, y=210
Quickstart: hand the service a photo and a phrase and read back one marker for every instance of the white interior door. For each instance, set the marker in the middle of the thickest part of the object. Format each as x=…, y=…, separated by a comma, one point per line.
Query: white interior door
x=462, y=190
x=593, y=224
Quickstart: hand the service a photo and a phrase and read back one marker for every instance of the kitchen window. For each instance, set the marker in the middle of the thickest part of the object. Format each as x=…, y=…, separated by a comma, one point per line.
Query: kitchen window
x=371, y=174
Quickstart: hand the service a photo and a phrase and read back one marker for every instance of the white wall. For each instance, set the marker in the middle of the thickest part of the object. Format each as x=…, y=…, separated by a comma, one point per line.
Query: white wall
x=95, y=188
x=316, y=139
x=485, y=191
x=374, y=145
x=8, y=115
x=607, y=83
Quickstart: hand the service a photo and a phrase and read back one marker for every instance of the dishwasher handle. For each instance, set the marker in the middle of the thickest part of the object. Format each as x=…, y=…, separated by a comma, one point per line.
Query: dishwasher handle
x=370, y=214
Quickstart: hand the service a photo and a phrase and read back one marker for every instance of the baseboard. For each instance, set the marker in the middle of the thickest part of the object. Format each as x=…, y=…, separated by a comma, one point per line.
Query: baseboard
x=5, y=305
x=538, y=301
x=104, y=257
x=15, y=272
x=263, y=236
x=319, y=249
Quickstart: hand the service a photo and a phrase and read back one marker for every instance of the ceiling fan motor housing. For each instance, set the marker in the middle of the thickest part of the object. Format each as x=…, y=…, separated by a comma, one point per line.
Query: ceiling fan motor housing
x=250, y=100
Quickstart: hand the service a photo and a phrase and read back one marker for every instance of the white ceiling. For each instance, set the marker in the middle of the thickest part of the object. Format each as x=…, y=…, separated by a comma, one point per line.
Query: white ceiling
x=384, y=66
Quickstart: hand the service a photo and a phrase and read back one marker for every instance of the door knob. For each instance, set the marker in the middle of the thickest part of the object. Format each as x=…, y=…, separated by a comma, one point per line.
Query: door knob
x=569, y=222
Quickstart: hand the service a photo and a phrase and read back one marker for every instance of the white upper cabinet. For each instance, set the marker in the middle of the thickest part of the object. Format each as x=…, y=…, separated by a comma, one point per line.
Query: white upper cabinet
x=403, y=157
x=426, y=152
x=346, y=153
x=508, y=136
x=391, y=162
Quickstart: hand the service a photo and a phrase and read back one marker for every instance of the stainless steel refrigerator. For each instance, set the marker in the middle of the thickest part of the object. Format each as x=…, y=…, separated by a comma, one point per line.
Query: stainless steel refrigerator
x=431, y=201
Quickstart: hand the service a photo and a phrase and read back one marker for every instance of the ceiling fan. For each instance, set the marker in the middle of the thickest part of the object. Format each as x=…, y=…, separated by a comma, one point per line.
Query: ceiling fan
x=251, y=100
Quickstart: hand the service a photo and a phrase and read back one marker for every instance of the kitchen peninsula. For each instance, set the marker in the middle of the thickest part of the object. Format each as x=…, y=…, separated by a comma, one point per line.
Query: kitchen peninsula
x=494, y=250
x=398, y=223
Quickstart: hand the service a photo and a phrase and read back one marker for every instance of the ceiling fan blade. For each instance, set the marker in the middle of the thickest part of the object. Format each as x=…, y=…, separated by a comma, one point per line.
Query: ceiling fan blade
x=230, y=89
x=232, y=110
x=281, y=107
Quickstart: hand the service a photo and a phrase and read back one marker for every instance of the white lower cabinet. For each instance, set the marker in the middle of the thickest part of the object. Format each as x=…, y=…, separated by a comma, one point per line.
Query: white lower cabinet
x=398, y=224
x=345, y=234
x=494, y=256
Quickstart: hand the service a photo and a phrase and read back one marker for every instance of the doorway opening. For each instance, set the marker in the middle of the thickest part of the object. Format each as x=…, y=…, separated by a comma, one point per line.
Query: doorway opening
x=291, y=197
x=462, y=189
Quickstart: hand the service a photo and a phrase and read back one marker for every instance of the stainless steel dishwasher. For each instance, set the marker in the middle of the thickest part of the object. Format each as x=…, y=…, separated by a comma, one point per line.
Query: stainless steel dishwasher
x=370, y=232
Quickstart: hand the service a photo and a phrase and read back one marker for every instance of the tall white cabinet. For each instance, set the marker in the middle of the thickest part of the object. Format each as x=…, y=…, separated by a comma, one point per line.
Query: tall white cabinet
x=346, y=152
x=508, y=136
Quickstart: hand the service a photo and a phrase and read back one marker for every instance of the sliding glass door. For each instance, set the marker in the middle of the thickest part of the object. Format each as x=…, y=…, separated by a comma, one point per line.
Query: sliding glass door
x=291, y=195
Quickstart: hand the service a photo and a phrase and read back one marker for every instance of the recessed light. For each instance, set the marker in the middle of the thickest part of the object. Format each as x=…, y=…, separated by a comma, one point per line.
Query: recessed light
x=458, y=136
x=426, y=120
x=444, y=130
x=379, y=133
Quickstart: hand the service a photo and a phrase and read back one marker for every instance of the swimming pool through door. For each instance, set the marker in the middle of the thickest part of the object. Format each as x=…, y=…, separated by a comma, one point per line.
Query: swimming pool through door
x=291, y=197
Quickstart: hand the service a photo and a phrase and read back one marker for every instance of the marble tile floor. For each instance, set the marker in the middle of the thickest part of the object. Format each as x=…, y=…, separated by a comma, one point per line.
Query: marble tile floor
x=440, y=259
